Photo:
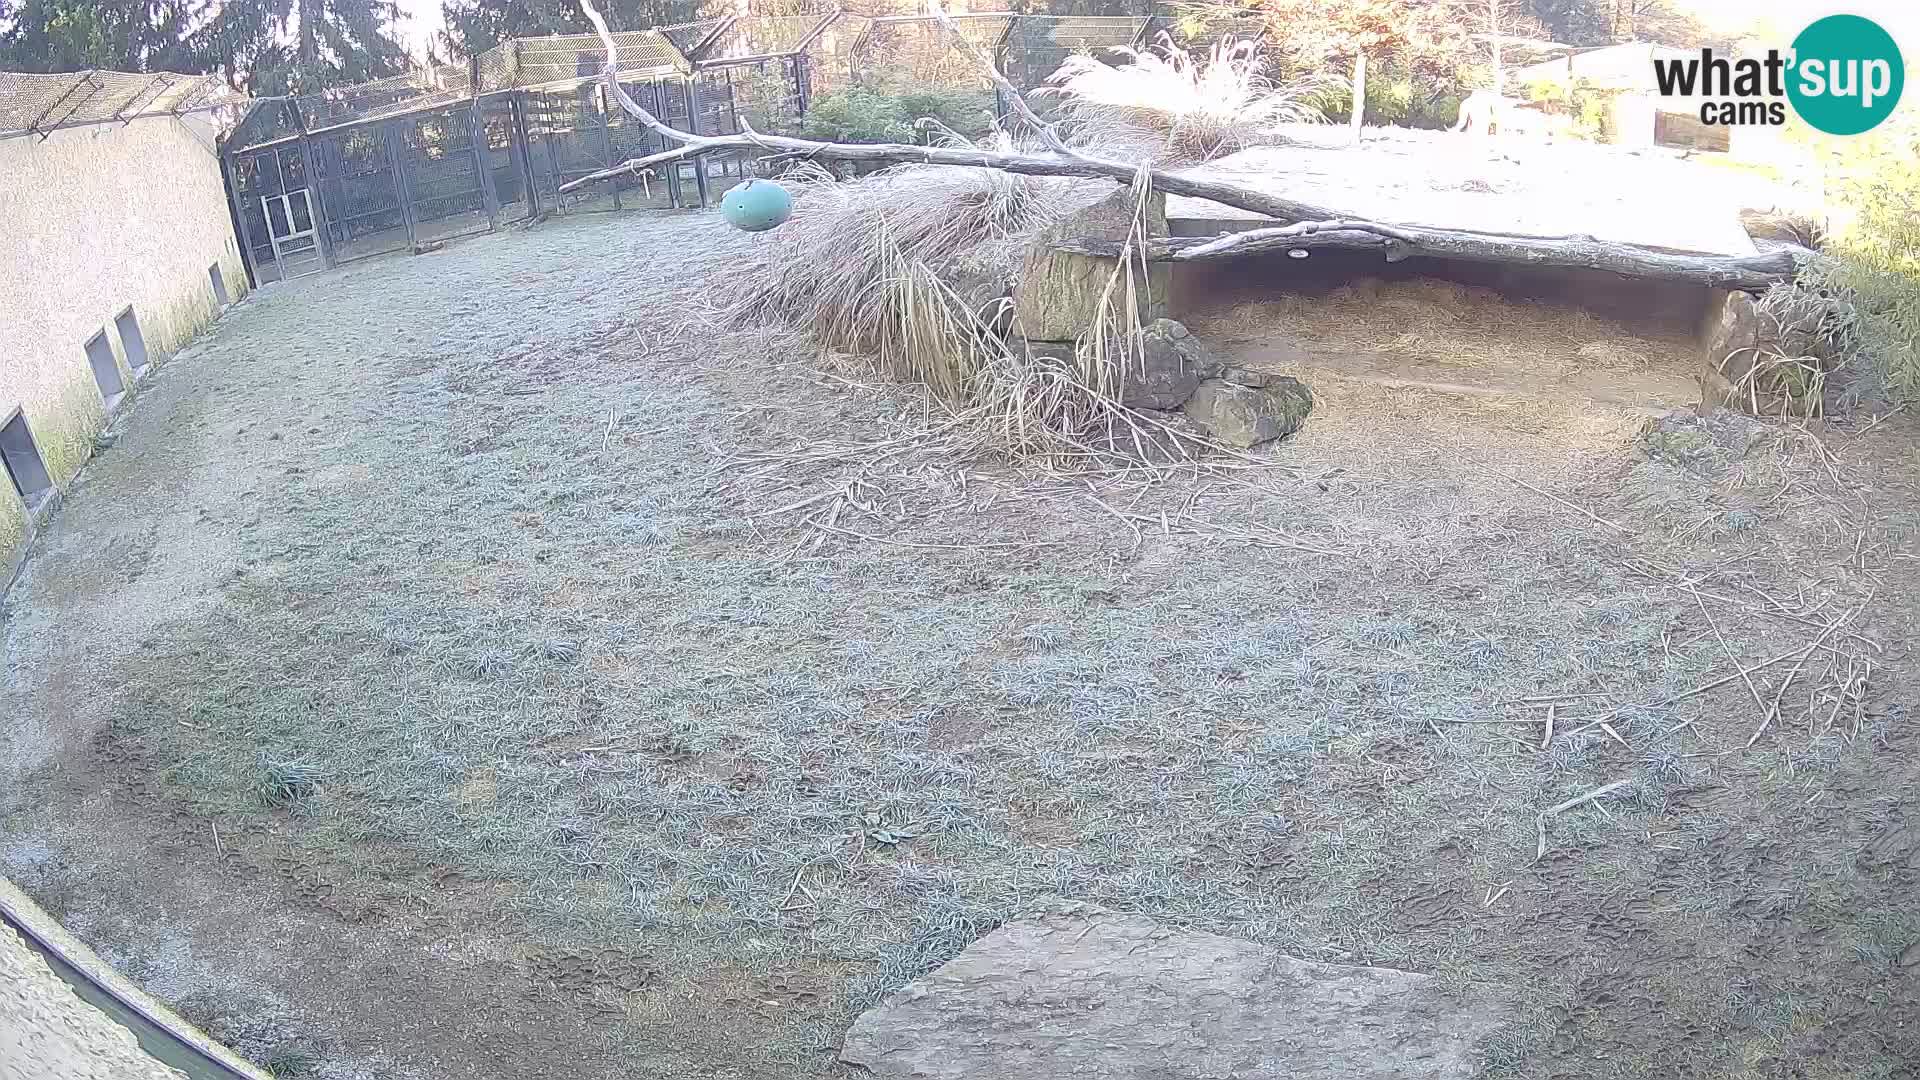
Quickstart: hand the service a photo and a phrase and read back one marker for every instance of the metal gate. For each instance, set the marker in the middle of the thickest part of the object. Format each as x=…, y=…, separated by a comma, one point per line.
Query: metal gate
x=290, y=231
x=446, y=179
x=360, y=193
x=278, y=210
x=568, y=135
x=408, y=162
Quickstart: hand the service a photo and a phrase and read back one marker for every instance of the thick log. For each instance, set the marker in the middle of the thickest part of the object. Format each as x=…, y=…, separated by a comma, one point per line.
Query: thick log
x=1752, y=273
x=1259, y=202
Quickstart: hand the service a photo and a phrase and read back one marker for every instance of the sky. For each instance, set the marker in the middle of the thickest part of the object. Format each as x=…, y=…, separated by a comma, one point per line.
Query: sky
x=421, y=26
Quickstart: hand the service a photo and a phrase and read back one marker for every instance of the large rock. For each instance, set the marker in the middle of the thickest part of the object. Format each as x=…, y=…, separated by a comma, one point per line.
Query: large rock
x=1784, y=227
x=985, y=288
x=1729, y=337
x=1099, y=996
x=1733, y=323
x=1171, y=367
x=1058, y=292
x=1239, y=415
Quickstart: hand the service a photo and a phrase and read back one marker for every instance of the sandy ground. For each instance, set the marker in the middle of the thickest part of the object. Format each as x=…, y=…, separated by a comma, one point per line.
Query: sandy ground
x=48, y=1033
x=1586, y=339
x=437, y=678
x=1516, y=185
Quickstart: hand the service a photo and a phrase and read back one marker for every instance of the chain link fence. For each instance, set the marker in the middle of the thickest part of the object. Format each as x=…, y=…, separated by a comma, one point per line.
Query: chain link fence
x=42, y=104
x=457, y=148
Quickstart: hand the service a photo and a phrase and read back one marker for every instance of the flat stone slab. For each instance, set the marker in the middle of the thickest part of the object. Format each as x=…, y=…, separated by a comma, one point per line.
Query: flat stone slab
x=1099, y=996
x=1450, y=180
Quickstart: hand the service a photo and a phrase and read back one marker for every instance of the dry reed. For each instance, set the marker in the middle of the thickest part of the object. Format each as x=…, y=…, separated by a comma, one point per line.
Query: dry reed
x=1169, y=106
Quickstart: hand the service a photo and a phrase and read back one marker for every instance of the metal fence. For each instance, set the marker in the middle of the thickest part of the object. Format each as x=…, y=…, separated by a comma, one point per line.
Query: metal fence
x=42, y=104
x=400, y=163
x=406, y=162
x=907, y=53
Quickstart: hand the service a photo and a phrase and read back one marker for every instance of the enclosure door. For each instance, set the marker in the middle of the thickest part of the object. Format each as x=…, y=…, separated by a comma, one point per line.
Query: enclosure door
x=445, y=175
x=296, y=243
x=277, y=216
x=360, y=194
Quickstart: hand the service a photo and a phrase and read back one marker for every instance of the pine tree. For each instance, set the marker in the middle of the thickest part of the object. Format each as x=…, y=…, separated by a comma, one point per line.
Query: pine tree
x=474, y=26
x=263, y=46
x=118, y=35
x=299, y=46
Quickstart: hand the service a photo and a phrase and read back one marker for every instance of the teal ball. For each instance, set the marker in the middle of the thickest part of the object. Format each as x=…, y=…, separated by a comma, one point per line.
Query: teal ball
x=756, y=206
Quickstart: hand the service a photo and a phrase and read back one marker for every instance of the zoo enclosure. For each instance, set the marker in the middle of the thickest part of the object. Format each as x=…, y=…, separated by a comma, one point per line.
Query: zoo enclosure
x=406, y=162
x=403, y=163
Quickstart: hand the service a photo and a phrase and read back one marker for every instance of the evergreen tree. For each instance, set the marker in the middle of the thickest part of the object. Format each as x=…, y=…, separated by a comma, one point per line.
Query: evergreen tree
x=299, y=46
x=120, y=35
x=263, y=46
x=474, y=26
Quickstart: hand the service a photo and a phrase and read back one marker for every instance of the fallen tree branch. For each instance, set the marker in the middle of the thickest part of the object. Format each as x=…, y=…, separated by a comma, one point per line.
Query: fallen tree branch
x=1259, y=202
x=1398, y=242
x=1540, y=820
x=1016, y=100
x=1314, y=226
x=1062, y=161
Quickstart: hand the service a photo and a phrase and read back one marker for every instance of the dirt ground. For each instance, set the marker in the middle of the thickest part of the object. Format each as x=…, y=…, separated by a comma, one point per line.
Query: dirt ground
x=439, y=677
x=1574, y=338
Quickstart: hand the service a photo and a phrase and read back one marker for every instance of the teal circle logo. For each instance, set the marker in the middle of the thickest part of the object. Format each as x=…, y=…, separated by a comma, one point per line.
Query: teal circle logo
x=1846, y=74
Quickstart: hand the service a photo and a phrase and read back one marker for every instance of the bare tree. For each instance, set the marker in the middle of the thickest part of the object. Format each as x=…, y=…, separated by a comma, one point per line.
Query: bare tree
x=1493, y=35
x=1322, y=34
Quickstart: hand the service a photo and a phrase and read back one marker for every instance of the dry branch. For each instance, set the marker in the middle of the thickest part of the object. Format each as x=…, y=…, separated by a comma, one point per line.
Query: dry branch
x=1315, y=226
x=1540, y=820
x=905, y=153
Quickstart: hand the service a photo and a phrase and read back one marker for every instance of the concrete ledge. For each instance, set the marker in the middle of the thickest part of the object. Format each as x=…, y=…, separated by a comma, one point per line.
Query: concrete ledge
x=81, y=1014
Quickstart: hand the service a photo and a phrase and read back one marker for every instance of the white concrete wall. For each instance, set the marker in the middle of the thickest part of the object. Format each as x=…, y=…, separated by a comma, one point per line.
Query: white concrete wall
x=93, y=219
x=1630, y=122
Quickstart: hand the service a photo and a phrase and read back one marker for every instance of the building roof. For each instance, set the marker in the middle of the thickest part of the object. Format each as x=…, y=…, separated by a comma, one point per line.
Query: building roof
x=688, y=37
x=1628, y=66
x=761, y=35
x=566, y=57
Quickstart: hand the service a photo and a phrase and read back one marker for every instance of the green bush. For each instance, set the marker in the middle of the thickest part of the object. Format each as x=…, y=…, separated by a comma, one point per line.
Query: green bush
x=1550, y=92
x=1396, y=97
x=1873, y=262
x=1591, y=106
x=859, y=114
x=1586, y=104
x=970, y=114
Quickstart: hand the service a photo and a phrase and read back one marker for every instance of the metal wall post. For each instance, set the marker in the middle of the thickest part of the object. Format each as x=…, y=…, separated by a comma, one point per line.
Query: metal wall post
x=239, y=219
x=553, y=166
x=477, y=133
x=319, y=201
x=523, y=150
x=401, y=158
x=693, y=126
x=674, y=195
x=606, y=140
